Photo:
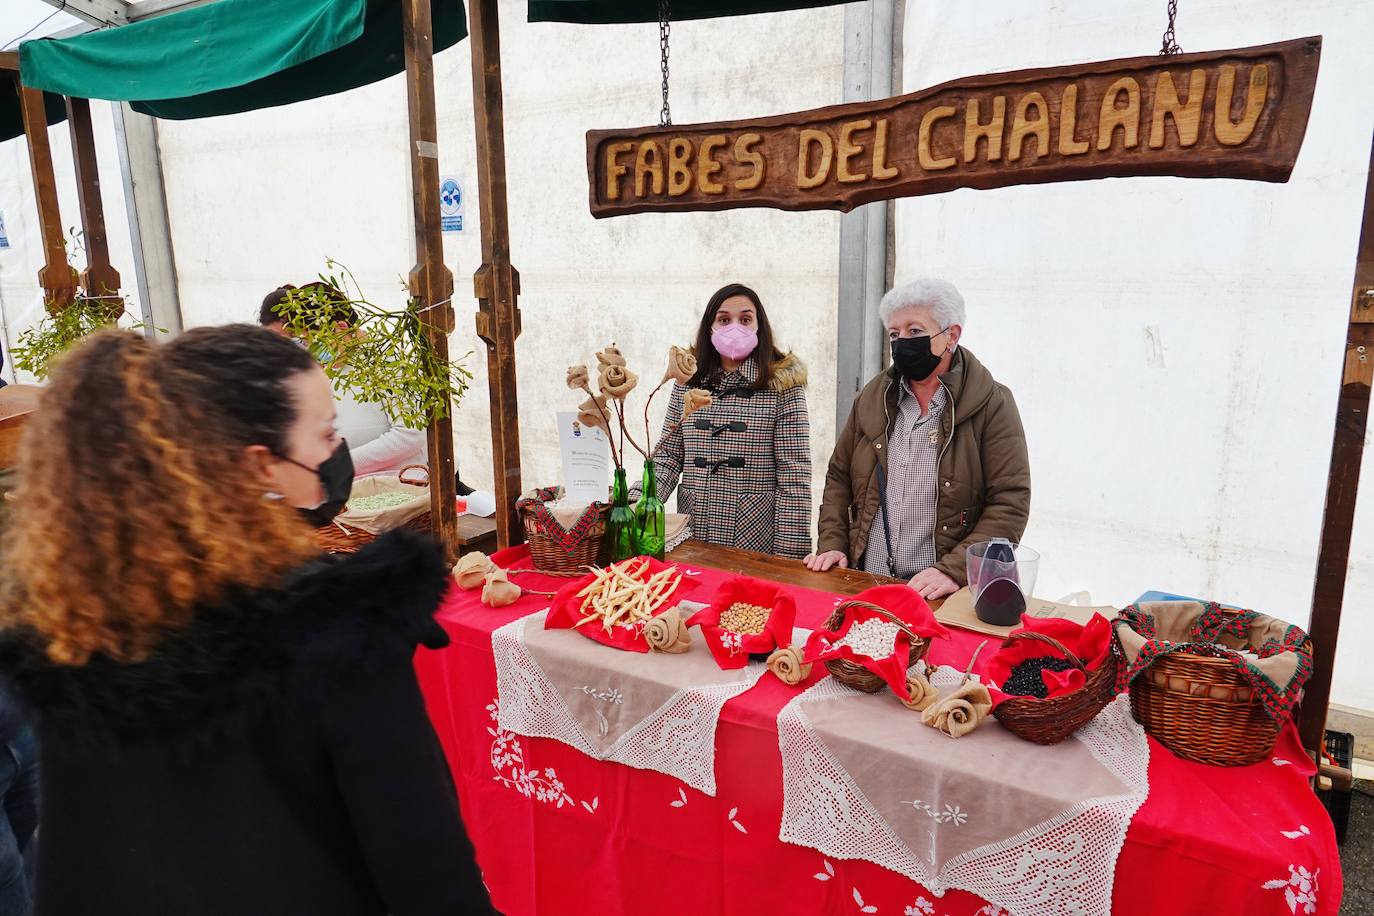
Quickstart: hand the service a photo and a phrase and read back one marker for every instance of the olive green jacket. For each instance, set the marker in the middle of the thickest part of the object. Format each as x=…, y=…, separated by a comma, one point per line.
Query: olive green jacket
x=984, y=471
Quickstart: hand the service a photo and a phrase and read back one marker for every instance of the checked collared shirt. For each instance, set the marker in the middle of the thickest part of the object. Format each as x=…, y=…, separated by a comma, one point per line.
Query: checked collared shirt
x=913, y=465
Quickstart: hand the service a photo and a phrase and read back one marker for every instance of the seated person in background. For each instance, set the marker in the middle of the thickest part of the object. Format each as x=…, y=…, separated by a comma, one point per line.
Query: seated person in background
x=378, y=445
x=933, y=457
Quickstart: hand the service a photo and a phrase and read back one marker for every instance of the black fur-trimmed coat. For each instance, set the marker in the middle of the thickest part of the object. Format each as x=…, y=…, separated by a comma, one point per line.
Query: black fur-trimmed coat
x=273, y=758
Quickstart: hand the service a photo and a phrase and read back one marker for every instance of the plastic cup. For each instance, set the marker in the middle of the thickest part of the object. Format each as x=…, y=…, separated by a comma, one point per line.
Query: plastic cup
x=1001, y=576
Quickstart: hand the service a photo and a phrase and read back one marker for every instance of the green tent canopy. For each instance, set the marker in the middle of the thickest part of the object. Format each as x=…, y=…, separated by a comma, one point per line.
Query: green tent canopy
x=234, y=55
x=611, y=11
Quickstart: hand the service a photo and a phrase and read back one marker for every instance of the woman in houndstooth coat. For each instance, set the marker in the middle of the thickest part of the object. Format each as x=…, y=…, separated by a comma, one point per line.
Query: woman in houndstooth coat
x=742, y=466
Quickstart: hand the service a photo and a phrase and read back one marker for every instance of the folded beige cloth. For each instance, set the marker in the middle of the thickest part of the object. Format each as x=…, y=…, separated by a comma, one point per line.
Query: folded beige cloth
x=499, y=590
x=787, y=665
x=960, y=712
x=921, y=693
x=668, y=633
x=471, y=569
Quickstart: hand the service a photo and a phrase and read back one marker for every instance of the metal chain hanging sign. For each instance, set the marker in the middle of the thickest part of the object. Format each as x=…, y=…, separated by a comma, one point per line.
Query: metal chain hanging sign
x=665, y=12
x=1219, y=114
x=1170, y=45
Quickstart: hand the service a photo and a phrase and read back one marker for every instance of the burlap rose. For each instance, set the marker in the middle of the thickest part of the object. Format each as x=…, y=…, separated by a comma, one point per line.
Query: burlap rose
x=594, y=413
x=472, y=569
x=682, y=365
x=694, y=400
x=499, y=590
x=668, y=633
x=786, y=665
x=921, y=693
x=617, y=381
x=960, y=712
x=611, y=356
x=578, y=377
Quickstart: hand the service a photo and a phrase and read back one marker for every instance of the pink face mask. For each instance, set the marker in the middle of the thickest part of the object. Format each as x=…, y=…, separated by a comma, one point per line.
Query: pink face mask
x=734, y=341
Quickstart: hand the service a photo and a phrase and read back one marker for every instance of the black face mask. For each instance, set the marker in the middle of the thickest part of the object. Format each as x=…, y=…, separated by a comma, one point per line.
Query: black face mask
x=336, y=476
x=912, y=359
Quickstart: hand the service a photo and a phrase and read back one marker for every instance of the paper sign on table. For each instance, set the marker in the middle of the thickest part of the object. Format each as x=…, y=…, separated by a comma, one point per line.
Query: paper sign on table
x=586, y=461
x=957, y=611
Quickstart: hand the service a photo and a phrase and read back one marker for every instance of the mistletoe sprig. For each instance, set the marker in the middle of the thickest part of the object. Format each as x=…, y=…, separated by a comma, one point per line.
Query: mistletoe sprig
x=383, y=357
x=64, y=326
x=615, y=381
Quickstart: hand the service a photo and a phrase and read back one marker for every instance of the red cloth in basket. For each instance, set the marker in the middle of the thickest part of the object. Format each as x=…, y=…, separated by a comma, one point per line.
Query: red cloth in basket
x=567, y=607
x=904, y=604
x=1091, y=642
x=732, y=650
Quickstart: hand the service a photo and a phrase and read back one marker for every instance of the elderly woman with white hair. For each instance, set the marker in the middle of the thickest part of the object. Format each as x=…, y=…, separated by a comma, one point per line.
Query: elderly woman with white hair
x=933, y=457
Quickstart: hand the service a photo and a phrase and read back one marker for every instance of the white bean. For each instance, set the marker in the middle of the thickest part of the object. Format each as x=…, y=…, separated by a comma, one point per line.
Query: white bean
x=874, y=638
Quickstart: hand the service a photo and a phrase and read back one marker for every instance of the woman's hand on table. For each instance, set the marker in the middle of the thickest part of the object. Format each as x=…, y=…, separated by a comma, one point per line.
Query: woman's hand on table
x=931, y=584
x=820, y=562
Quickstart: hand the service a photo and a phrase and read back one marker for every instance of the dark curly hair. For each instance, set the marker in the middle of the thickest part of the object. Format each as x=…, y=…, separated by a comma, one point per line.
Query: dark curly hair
x=135, y=504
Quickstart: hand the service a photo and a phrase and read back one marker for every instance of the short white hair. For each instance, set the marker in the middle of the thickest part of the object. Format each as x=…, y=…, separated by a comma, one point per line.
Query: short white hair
x=940, y=296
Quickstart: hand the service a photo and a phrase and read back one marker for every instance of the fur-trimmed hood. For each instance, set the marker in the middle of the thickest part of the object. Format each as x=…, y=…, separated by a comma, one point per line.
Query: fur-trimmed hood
x=788, y=372
x=334, y=620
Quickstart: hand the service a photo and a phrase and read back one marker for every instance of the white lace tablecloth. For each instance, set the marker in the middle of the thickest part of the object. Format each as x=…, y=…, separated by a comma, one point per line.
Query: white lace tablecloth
x=1034, y=829
x=651, y=711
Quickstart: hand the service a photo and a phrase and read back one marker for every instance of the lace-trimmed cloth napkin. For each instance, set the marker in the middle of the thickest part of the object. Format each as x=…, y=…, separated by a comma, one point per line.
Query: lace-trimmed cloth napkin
x=1271, y=655
x=650, y=711
x=1034, y=829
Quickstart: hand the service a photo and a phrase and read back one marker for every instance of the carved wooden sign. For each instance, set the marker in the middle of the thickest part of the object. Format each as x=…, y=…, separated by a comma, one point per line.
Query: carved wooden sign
x=1220, y=114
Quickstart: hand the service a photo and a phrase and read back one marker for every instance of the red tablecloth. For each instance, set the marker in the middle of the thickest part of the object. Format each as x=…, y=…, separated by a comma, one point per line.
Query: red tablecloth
x=559, y=833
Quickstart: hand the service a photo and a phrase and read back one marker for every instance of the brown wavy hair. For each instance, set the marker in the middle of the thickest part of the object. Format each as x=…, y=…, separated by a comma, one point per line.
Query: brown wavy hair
x=135, y=504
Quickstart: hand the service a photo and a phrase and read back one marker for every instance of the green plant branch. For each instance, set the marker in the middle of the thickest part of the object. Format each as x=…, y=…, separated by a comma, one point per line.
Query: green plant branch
x=384, y=357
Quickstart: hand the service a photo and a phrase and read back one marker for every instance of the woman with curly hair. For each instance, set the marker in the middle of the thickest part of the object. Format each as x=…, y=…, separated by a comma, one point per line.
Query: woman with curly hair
x=229, y=723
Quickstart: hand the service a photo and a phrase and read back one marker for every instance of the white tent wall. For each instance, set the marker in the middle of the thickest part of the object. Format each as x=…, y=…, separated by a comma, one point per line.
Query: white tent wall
x=1175, y=346
x=263, y=198
x=21, y=298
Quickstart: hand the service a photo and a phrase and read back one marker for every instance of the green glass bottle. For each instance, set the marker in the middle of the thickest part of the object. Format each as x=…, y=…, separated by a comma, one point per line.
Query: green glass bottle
x=650, y=516
x=621, y=540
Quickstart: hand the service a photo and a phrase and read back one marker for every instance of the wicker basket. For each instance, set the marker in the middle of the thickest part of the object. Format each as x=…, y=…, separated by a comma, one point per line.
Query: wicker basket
x=339, y=538
x=1199, y=707
x=549, y=556
x=1053, y=719
x=852, y=674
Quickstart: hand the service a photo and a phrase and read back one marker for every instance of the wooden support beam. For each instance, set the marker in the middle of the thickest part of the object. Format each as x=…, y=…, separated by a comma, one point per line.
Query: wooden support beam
x=59, y=286
x=9, y=60
x=100, y=280
x=496, y=283
x=99, y=13
x=431, y=283
x=1343, y=480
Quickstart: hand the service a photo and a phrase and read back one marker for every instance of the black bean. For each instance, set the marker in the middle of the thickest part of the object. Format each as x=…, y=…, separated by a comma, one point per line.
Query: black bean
x=1026, y=681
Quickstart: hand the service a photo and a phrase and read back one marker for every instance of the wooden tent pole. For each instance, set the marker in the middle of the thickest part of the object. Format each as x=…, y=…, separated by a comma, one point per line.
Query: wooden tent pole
x=1343, y=480
x=100, y=280
x=55, y=276
x=496, y=283
x=431, y=283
